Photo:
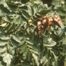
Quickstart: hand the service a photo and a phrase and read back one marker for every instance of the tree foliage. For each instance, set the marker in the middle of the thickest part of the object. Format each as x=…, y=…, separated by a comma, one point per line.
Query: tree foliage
x=23, y=41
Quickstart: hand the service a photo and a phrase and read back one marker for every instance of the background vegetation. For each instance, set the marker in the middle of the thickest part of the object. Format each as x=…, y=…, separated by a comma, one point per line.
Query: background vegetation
x=23, y=42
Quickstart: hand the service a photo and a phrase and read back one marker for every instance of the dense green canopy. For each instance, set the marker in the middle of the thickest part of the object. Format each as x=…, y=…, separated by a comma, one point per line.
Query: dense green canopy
x=22, y=43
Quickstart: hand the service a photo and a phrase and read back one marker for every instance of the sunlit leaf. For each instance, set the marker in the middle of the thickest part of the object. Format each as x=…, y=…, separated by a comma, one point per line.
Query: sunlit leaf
x=36, y=59
x=7, y=58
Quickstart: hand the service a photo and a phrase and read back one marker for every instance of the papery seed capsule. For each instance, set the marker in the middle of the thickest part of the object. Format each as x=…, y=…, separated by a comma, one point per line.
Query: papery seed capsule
x=58, y=20
x=44, y=21
x=42, y=26
x=50, y=21
x=38, y=23
x=44, y=17
x=39, y=28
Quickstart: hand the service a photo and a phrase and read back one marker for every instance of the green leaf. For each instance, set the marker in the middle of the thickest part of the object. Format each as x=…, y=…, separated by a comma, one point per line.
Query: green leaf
x=50, y=43
x=7, y=58
x=2, y=43
x=4, y=38
x=15, y=39
x=64, y=40
x=3, y=50
x=36, y=59
x=44, y=60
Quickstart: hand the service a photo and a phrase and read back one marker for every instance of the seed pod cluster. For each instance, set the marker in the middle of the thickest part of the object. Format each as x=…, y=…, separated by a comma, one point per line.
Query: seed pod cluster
x=46, y=22
x=58, y=21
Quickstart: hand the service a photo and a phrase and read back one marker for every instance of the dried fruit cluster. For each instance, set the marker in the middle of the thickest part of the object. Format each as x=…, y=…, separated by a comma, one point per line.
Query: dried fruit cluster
x=46, y=22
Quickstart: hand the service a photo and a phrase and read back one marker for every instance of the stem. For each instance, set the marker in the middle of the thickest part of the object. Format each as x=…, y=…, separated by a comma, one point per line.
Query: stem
x=41, y=50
